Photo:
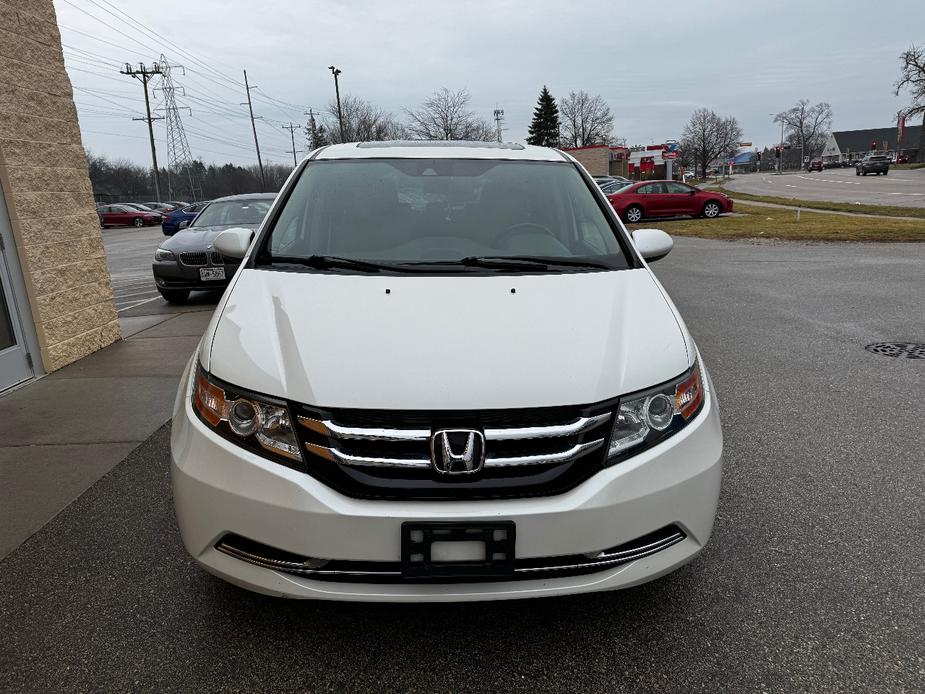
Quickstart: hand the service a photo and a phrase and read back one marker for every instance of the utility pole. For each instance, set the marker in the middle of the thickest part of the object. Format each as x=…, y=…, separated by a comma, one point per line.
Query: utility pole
x=263, y=180
x=144, y=74
x=340, y=113
x=291, y=128
x=499, y=116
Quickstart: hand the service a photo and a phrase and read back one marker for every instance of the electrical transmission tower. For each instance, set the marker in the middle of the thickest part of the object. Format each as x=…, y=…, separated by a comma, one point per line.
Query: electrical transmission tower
x=179, y=157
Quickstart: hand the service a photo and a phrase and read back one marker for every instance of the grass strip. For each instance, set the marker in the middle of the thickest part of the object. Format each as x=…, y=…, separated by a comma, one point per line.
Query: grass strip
x=778, y=223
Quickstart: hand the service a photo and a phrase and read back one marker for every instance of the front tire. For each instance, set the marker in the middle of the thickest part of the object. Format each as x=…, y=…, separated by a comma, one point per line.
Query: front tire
x=711, y=209
x=174, y=296
x=885, y=173
x=633, y=214
x=138, y=222
x=857, y=173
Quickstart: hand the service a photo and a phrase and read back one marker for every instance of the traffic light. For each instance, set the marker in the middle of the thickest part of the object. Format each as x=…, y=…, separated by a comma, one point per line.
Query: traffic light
x=758, y=154
x=777, y=152
x=873, y=145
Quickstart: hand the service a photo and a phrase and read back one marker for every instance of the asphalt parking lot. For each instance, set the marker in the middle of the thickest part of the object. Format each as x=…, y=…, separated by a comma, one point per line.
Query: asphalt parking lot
x=901, y=187
x=813, y=579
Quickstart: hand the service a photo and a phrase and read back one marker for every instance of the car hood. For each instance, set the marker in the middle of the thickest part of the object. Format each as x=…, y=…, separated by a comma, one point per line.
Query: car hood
x=199, y=238
x=445, y=342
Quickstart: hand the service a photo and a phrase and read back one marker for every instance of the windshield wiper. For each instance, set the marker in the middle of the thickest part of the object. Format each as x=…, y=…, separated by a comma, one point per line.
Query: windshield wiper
x=325, y=262
x=529, y=262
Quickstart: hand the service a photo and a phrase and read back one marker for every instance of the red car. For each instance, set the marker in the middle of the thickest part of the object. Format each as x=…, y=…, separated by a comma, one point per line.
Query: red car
x=667, y=199
x=123, y=215
x=815, y=165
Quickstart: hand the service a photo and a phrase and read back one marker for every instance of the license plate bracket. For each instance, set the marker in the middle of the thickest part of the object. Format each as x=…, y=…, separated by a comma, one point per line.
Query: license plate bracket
x=418, y=538
x=211, y=274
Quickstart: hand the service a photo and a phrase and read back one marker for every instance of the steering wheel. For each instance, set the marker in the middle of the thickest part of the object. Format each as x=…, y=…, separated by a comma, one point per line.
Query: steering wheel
x=502, y=240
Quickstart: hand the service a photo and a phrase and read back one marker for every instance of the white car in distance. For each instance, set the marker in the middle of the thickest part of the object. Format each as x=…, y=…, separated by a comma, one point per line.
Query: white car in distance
x=444, y=371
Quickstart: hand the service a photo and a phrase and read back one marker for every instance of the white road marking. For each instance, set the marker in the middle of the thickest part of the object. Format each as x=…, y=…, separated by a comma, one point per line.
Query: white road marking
x=146, y=301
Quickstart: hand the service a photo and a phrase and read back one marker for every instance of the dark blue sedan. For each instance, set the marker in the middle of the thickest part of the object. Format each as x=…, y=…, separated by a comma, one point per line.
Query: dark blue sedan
x=173, y=220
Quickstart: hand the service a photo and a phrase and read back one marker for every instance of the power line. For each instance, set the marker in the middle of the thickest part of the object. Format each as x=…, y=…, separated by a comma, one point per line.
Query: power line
x=150, y=33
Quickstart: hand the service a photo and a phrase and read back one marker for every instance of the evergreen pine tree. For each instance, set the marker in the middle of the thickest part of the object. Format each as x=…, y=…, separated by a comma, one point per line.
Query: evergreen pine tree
x=544, y=128
x=317, y=137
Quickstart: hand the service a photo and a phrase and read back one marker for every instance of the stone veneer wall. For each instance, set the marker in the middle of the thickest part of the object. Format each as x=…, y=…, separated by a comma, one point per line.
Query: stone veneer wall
x=43, y=173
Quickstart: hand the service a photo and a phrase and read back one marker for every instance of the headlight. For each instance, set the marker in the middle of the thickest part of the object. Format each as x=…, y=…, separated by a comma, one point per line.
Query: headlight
x=644, y=419
x=164, y=254
x=258, y=423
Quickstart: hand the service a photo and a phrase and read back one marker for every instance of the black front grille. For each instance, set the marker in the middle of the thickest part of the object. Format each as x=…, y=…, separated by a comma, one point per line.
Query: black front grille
x=556, y=463
x=193, y=258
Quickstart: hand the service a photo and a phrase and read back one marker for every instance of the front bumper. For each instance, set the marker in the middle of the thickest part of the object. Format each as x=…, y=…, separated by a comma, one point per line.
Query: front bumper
x=221, y=489
x=173, y=274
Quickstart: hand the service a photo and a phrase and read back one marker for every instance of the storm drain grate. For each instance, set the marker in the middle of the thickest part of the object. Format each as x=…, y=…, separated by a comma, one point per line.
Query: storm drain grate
x=901, y=350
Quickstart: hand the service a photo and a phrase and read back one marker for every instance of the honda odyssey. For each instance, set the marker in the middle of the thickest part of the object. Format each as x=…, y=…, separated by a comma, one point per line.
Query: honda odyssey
x=444, y=371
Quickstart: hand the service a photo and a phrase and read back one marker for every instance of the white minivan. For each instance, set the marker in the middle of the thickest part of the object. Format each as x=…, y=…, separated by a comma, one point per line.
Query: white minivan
x=444, y=371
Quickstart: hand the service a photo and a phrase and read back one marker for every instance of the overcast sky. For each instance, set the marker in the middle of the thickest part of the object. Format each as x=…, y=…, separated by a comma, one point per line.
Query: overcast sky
x=653, y=62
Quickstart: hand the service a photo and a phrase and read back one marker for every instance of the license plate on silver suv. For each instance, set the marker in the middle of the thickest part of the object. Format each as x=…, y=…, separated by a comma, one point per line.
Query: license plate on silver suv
x=211, y=273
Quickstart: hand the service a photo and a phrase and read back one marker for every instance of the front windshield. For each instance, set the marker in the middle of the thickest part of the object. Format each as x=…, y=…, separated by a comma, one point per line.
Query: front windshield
x=418, y=211
x=234, y=212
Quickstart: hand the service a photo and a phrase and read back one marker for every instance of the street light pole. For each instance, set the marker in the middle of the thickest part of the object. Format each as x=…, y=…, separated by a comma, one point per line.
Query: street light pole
x=780, y=159
x=340, y=113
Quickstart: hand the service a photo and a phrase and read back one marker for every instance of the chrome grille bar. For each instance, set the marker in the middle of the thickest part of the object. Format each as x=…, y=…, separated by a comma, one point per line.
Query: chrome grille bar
x=554, y=431
x=328, y=428
x=554, y=458
x=566, y=456
x=331, y=429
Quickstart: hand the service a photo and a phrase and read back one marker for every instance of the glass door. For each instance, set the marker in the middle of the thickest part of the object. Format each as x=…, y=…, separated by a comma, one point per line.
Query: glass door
x=14, y=364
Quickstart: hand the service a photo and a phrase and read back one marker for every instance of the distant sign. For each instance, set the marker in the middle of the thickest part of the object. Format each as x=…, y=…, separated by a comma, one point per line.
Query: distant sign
x=745, y=144
x=669, y=155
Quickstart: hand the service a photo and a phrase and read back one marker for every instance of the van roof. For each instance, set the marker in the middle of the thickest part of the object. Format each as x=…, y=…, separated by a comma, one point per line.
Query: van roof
x=425, y=149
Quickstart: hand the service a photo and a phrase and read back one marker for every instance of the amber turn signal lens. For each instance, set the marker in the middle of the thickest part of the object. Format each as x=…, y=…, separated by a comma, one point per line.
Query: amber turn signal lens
x=208, y=399
x=689, y=394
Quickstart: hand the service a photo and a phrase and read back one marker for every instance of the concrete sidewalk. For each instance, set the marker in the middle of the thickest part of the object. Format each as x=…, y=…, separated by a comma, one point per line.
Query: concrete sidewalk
x=60, y=434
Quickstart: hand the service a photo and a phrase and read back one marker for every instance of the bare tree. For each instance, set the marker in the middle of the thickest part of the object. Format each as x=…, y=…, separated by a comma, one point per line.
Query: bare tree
x=708, y=136
x=808, y=127
x=363, y=122
x=445, y=115
x=912, y=77
x=585, y=120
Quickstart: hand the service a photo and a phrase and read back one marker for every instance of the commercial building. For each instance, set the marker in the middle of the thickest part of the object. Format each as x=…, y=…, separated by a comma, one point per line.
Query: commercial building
x=601, y=160
x=848, y=145
x=55, y=293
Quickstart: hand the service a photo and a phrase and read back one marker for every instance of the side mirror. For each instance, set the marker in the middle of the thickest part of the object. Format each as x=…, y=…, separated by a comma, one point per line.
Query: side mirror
x=652, y=244
x=692, y=192
x=183, y=224
x=233, y=242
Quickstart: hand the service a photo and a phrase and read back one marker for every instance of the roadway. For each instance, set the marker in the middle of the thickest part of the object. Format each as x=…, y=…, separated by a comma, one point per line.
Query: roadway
x=812, y=580
x=904, y=188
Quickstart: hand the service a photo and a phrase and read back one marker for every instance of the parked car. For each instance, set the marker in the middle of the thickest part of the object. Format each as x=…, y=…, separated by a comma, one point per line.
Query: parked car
x=180, y=219
x=903, y=159
x=667, y=199
x=482, y=397
x=138, y=206
x=614, y=185
x=815, y=165
x=873, y=163
x=176, y=204
x=161, y=207
x=123, y=215
x=187, y=260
